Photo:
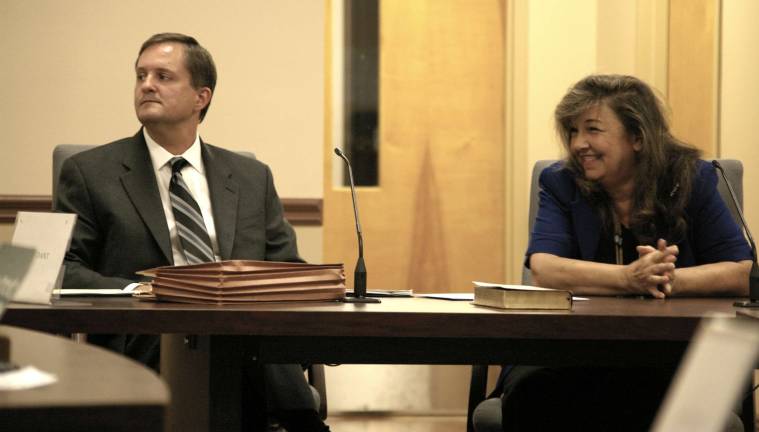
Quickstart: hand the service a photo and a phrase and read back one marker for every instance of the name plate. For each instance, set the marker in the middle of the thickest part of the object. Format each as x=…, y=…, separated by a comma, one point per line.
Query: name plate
x=50, y=235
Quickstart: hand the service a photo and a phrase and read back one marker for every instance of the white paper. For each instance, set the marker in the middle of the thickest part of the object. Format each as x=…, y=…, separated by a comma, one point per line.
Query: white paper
x=389, y=293
x=448, y=296
x=126, y=291
x=50, y=234
x=25, y=378
x=95, y=292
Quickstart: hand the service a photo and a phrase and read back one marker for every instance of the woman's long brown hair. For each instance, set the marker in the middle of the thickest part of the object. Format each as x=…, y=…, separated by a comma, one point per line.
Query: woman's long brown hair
x=665, y=166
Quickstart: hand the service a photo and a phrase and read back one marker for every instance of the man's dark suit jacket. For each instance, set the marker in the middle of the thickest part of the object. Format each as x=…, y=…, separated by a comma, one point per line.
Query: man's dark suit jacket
x=121, y=227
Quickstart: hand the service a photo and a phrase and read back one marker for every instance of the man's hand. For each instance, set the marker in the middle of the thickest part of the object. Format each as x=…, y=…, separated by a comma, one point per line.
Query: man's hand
x=654, y=268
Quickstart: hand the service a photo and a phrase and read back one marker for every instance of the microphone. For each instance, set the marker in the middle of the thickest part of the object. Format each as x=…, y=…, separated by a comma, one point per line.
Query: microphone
x=753, y=278
x=359, y=275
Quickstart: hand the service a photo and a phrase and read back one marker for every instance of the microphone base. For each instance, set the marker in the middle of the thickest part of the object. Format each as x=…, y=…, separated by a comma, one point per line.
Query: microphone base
x=754, y=304
x=361, y=300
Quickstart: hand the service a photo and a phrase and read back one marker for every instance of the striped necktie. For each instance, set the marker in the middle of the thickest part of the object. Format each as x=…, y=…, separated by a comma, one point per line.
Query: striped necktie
x=189, y=221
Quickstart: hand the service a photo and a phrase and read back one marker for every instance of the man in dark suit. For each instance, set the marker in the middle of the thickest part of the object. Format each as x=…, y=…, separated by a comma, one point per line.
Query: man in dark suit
x=163, y=197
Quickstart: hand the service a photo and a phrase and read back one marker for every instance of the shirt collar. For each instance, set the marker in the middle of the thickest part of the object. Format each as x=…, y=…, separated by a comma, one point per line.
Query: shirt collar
x=160, y=157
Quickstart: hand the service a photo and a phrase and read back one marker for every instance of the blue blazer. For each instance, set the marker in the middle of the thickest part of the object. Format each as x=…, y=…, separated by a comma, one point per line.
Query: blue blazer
x=567, y=226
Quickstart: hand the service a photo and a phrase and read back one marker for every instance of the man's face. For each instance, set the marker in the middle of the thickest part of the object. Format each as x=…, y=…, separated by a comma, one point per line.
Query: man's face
x=163, y=92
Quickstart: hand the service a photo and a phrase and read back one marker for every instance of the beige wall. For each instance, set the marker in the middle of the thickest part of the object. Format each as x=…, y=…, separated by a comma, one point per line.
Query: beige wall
x=739, y=103
x=68, y=75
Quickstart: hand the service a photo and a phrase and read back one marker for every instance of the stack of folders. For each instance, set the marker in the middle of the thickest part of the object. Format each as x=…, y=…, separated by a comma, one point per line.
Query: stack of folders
x=244, y=281
x=520, y=297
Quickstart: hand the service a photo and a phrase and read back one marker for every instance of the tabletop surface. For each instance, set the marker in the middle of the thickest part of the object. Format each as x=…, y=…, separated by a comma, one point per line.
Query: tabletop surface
x=596, y=318
x=88, y=376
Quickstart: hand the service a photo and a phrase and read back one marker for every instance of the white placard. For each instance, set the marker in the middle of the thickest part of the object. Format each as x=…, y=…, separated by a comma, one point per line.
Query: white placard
x=50, y=235
x=711, y=377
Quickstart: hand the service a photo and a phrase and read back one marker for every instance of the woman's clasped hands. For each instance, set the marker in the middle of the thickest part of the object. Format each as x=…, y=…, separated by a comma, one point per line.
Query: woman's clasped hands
x=654, y=271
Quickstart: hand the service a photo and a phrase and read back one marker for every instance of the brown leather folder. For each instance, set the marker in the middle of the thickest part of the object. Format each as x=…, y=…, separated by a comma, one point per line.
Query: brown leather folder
x=241, y=281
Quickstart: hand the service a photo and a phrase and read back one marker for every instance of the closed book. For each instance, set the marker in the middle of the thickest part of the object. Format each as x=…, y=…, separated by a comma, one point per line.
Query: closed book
x=521, y=297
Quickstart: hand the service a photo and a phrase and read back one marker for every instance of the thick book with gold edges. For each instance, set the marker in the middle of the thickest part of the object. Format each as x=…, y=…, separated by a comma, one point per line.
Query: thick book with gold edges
x=245, y=281
x=520, y=297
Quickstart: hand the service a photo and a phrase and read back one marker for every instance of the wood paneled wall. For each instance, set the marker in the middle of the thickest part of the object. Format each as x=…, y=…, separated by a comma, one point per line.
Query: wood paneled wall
x=693, y=84
x=435, y=222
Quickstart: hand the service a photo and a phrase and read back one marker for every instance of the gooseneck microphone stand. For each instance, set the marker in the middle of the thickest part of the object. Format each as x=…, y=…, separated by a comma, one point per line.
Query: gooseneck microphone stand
x=359, y=275
x=753, y=277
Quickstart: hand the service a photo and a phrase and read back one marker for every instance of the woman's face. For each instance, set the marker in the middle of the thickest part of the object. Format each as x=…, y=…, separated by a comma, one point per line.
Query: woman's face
x=604, y=150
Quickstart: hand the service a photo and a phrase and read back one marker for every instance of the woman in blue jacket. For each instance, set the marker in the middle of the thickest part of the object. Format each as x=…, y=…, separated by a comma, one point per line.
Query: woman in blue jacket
x=630, y=211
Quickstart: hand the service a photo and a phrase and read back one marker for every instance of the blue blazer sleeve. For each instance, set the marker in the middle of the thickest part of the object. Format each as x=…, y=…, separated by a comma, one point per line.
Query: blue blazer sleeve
x=554, y=229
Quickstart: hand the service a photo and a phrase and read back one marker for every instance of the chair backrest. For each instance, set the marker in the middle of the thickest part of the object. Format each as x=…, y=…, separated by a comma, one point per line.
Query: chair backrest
x=534, y=202
x=65, y=151
x=60, y=154
x=733, y=170
x=734, y=173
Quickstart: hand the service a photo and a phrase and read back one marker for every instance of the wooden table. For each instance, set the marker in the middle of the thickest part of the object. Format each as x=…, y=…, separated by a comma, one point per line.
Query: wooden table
x=601, y=331
x=96, y=389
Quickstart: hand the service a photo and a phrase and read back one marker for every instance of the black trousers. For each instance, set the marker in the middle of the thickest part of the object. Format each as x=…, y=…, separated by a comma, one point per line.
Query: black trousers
x=142, y=348
x=539, y=398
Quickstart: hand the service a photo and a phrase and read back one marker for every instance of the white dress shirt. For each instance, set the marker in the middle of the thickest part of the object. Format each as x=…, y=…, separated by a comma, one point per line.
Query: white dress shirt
x=195, y=177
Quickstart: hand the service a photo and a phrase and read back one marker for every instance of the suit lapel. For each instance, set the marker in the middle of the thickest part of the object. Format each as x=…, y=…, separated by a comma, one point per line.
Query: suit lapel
x=142, y=188
x=224, y=199
x=587, y=227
